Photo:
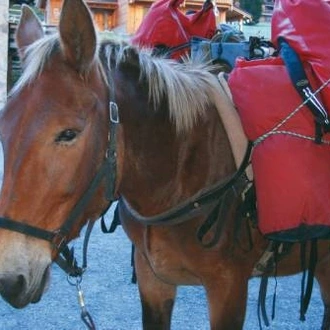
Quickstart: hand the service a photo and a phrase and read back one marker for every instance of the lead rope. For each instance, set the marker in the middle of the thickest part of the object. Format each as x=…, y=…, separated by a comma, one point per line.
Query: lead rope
x=76, y=281
x=85, y=315
x=75, y=278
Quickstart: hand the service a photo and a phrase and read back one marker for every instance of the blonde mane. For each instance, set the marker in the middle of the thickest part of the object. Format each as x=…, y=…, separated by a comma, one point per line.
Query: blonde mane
x=189, y=88
x=35, y=58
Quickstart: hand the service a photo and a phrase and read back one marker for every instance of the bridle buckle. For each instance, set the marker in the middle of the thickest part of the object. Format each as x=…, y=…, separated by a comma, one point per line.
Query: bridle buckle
x=59, y=241
x=114, y=112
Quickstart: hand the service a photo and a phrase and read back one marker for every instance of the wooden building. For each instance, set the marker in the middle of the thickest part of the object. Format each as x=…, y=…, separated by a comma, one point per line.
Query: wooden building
x=103, y=12
x=267, y=11
x=125, y=16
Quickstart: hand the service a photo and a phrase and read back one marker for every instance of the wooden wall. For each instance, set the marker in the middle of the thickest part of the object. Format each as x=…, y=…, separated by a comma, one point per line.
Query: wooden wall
x=104, y=20
x=135, y=16
x=125, y=16
x=53, y=11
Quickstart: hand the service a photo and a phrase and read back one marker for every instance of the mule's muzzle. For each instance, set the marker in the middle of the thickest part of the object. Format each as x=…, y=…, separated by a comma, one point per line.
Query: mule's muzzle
x=15, y=289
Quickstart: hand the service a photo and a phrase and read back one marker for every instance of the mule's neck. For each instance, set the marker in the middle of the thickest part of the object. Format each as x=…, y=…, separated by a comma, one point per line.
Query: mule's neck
x=162, y=167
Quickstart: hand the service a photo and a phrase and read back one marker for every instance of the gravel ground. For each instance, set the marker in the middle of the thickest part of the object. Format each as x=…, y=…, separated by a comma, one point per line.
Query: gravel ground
x=114, y=304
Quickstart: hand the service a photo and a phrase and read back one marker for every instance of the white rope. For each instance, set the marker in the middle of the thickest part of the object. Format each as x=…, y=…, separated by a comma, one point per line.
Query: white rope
x=298, y=135
x=275, y=130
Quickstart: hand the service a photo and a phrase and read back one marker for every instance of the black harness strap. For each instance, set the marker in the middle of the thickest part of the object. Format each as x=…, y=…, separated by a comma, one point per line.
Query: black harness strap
x=26, y=229
x=301, y=83
x=68, y=262
x=262, y=313
x=114, y=224
x=87, y=196
x=246, y=210
x=307, y=288
x=217, y=218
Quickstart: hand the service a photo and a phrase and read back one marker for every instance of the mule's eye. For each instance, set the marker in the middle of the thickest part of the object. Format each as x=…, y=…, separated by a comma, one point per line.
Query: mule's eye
x=67, y=135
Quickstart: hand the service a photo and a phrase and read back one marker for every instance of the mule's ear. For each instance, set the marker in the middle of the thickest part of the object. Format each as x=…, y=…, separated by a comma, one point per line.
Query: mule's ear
x=29, y=30
x=78, y=38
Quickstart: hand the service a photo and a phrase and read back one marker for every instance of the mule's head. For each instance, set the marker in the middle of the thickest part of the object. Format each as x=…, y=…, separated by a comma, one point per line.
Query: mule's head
x=54, y=135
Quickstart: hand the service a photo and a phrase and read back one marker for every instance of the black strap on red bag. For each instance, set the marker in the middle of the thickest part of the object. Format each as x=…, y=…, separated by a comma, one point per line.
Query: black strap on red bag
x=301, y=83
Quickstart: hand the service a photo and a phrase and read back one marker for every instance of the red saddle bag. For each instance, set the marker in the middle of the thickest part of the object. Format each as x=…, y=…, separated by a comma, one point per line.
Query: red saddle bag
x=304, y=24
x=291, y=171
x=165, y=25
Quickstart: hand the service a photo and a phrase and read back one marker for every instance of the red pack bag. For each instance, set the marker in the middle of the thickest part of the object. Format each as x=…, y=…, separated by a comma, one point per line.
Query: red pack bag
x=304, y=24
x=291, y=171
x=166, y=26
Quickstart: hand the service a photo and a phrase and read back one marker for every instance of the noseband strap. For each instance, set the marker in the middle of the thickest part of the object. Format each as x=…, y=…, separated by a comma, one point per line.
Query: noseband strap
x=26, y=229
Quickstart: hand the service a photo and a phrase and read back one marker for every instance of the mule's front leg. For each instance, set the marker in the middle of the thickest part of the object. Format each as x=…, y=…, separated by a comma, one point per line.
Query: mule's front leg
x=157, y=297
x=227, y=296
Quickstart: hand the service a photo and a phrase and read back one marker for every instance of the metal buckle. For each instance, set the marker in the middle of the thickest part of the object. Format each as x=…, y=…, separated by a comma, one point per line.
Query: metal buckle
x=59, y=241
x=114, y=113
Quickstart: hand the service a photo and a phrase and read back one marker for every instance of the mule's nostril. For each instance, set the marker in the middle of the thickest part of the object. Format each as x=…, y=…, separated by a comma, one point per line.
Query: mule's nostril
x=12, y=285
x=20, y=283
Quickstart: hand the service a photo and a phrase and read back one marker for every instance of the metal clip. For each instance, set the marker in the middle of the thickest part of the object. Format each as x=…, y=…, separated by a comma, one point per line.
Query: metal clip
x=85, y=316
x=81, y=299
x=114, y=112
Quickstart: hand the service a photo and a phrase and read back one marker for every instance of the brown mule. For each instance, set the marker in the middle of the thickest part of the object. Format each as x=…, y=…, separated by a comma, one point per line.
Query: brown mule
x=170, y=144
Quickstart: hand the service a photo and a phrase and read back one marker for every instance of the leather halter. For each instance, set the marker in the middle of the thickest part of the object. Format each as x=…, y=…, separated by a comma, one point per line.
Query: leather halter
x=59, y=237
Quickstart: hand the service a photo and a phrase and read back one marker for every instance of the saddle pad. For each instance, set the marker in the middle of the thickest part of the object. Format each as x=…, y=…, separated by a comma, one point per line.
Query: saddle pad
x=291, y=172
x=232, y=124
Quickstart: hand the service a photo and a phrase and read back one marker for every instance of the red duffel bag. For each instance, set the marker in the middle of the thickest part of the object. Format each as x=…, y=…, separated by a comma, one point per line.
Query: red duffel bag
x=305, y=24
x=291, y=171
x=166, y=26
